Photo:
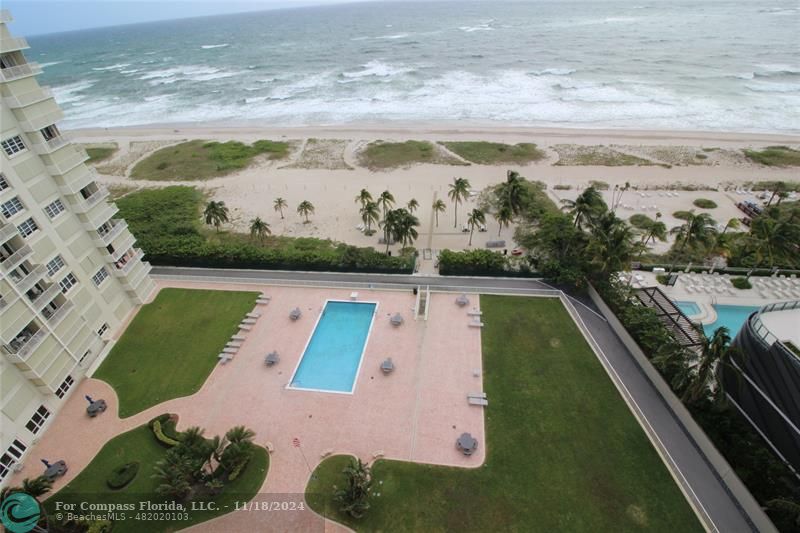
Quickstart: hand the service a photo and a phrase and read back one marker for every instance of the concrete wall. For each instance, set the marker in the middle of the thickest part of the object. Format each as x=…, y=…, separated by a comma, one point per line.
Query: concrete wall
x=704, y=444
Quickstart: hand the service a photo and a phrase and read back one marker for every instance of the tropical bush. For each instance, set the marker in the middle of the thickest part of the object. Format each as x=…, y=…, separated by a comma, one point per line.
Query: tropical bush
x=682, y=215
x=705, y=203
x=120, y=477
x=161, y=437
x=741, y=283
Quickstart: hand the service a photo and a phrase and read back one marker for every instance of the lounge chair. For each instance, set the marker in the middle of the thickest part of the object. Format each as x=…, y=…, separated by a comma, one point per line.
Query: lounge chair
x=249, y=321
x=476, y=395
x=238, y=338
x=253, y=315
x=245, y=327
x=478, y=401
x=230, y=350
x=476, y=324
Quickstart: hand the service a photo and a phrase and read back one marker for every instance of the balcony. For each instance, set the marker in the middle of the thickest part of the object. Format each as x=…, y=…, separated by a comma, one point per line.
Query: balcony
x=24, y=345
x=132, y=261
x=104, y=239
x=134, y=281
x=42, y=120
x=20, y=71
x=12, y=44
x=31, y=97
x=122, y=247
x=101, y=213
x=48, y=147
x=7, y=231
x=47, y=296
x=64, y=164
x=25, y=284
x=83, y=205
x=16, y=258
x=56, y=317
x=74, y=186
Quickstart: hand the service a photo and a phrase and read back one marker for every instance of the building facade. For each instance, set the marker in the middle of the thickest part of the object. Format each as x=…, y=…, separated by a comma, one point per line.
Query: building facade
x=69, y=270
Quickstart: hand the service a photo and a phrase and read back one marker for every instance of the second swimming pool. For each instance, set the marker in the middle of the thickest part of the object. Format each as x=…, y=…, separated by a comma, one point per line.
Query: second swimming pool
x=730, y=316
x=333, y=354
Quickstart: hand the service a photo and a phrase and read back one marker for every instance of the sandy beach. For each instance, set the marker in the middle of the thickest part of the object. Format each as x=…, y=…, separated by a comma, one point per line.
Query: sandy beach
x=330, y=178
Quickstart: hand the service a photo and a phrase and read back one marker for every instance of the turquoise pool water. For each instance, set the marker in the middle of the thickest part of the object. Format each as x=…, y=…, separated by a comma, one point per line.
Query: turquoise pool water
x=332, y=357
x=688, y=308
x=730, y=316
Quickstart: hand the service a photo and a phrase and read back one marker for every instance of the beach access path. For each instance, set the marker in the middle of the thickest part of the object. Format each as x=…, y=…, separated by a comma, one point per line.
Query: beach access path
x=721, y=510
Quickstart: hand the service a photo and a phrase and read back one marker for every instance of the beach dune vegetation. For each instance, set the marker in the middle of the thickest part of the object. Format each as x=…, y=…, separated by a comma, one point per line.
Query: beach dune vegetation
x=200, y=160
x=489, y=153
x=775, y=156
x=383, y=155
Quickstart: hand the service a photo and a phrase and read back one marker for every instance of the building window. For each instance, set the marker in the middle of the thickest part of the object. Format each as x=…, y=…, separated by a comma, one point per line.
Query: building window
x=27, y=227
x=12, y=207
x=3, y=182
x=13, y=145
x=54, y=265
x=64, y=387
x=38, y=419
x=102, y=330
x=12, y=455
x=100, y=277
x=54, y=208
x=67, y=283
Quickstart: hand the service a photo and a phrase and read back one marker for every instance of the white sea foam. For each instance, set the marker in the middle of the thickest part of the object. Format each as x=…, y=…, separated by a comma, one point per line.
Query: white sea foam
x=50, y=64
x=210, y=46
x=118, y=66
x=67, y=94
x=394, y=36
x=554, y=72
x=377, y=69
x=185, y=73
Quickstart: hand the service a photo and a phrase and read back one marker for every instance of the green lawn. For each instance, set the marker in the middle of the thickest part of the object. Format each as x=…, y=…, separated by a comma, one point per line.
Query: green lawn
x=99, y=153
x=381, y=155
x=140, y=445
x=564, y=451
x=201, y=160
x=486, y=153
x=171, y=346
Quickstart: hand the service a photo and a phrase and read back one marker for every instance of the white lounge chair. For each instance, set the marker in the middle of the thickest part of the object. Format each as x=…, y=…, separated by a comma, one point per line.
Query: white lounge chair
x=478, y=401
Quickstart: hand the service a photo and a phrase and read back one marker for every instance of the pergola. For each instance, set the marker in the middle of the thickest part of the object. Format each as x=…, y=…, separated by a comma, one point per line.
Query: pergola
x=682, y=329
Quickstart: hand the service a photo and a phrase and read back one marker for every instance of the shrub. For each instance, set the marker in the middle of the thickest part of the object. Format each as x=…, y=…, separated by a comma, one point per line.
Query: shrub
x=640, y=221
x=741, y=283
x=599, y=185
x=472, y=263
x=560, y=187
x=163, y=439
x=662, y=278
x=122, y=476
x=705, y=203
x=682, y=215
x=779, y=156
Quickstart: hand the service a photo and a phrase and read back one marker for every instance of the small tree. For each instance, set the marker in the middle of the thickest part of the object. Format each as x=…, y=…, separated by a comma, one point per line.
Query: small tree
x=438, y=207
x=259, y=229
x=305, y=208
x=215, y=214
x=412, y=205
x=475, y=217
x=279, y=205
x=354, y=498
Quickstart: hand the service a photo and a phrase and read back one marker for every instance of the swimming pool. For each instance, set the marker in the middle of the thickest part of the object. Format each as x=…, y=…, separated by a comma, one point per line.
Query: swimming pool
x=333, y=354
x=688, y=308
x=730, y=316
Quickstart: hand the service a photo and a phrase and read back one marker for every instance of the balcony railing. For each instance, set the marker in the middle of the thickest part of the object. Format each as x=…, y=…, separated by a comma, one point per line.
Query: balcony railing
x=20, y=71
x=134, y=281
x=74, y=186
x=47, y=296
x=30, y=280
x=109, y=236
x=31, y=97
x=132, y=261
x=98, y=215
x=7, y=231
x=23, y=348
x=12, y=44
x=48, y=147
x=59, y=314
x=16, y=258
x=65, y=164
x=83, y=205
x=43, y=120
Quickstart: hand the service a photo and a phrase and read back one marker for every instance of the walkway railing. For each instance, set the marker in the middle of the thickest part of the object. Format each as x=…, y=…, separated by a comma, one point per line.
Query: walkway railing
x=758, y=326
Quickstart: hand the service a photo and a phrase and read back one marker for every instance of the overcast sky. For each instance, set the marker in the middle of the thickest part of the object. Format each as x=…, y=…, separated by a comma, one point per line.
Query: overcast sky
x=35, y=17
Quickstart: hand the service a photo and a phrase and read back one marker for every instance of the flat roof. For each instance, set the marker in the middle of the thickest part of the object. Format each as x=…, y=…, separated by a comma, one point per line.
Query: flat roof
x=785, y=325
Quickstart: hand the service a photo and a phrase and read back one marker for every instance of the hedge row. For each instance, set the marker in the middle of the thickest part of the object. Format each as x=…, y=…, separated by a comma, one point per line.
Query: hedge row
x=738, y=271
x=480, y=263
x=121, y=476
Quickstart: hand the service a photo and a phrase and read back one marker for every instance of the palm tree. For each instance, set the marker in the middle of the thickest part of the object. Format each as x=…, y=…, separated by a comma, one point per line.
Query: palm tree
x=412, y=205
x=363, y=197
x=405, y=226
x=459, y=191
x=215, y=213
x=513, y=192
x=438, y=207
x=769, y=237
x=385, y=201
x=305, y=208
x=370, y=214
x=474, y=218
x=279, y=205
x=586, y=207
x=655, y=231
x=37, y=486
x=390, y=224
x=504, y=216
x=259, y=229
x=612, y=245
x=697, y=229
x=716, y=353
x=240, y=434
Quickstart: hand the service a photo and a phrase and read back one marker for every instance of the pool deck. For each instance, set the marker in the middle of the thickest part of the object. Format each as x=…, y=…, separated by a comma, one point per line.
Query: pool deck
x=414, y=414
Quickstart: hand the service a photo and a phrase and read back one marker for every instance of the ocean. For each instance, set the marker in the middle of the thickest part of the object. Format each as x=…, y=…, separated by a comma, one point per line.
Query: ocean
x=629, y=64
